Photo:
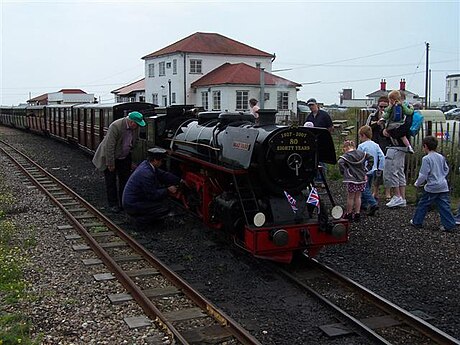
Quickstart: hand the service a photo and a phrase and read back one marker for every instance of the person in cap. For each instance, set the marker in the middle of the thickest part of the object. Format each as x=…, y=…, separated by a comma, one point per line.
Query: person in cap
x=321, y=119
x=113, y=156
x=145, y=194
x=318, y=117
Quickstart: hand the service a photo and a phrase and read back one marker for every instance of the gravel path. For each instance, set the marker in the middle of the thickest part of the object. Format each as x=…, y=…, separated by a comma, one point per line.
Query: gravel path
x=417, y=269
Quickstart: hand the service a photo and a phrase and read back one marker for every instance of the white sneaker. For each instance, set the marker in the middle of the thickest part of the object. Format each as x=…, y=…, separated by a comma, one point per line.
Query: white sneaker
x=392, y=201
x=400, y=203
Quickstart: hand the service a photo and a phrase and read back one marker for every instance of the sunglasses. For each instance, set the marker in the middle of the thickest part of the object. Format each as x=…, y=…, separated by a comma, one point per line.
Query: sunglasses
x=382, y=106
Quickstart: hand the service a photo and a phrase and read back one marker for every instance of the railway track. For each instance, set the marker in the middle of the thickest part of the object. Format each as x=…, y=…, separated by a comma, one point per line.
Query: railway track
x=146, y=279
x=362, y=310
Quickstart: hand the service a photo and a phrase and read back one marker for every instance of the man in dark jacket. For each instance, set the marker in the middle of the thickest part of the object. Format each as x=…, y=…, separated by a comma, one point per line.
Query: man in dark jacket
x=144, y=197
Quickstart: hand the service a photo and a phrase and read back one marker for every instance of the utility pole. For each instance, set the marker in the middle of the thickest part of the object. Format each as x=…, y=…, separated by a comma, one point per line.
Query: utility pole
x=427, y=76
x=262, y=88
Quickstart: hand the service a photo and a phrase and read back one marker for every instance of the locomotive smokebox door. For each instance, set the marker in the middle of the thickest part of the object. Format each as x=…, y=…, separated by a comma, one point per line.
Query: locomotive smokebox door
x=237, y=145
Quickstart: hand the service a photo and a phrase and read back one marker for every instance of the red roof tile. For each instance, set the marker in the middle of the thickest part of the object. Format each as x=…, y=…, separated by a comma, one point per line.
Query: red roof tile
x=135, y=86
x=209, y=43
x=66, y=91
x=240, y=73
x=39, y=98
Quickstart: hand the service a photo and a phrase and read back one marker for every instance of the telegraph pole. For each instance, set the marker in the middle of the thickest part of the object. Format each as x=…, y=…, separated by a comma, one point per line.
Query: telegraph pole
x=427, y=76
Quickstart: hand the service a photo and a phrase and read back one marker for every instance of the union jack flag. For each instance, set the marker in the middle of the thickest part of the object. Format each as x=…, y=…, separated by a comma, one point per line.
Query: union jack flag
x=291, y=201
x=313, y=198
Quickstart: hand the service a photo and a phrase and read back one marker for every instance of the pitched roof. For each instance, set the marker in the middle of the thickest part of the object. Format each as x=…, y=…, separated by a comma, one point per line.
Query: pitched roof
x=240, y=73
x=380, y=93
x=66, y=91
x=39, y=98
x=133, y=87
x=209, y=43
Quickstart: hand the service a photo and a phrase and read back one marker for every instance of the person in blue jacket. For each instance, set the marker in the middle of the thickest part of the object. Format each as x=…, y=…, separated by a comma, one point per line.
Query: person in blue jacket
x=145, y=193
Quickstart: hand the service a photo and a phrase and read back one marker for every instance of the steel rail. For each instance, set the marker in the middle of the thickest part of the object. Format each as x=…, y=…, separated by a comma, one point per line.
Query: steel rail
x=146, y=304
x=368, y=331
x=422, y=326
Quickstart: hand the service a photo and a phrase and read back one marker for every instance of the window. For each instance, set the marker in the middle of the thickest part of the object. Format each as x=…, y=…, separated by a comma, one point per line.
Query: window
x=216, y=100
x=455, y=97
x=173, y=97
x=155, y=98
x=141, y=98
x=162, y=69
x=164, y=100
x=242, y=99
x=455, y=83
x=168, y=65
x=204, y=100
x=175, y=66
x=282, y=100
x=258, y=65
x=195, y=66
x=266, y=96
x=151, y=70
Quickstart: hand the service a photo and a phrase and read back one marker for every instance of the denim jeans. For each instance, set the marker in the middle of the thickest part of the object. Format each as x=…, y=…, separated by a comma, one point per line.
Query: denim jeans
x=457, y=216
x=442, y=200
x=367, y=200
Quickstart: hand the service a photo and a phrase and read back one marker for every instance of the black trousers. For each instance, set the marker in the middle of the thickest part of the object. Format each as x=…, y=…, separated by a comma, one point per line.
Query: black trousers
x=147, y=214
x=115, y=181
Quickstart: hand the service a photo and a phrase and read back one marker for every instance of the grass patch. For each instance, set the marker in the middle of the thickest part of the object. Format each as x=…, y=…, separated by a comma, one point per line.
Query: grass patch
x=14, y=327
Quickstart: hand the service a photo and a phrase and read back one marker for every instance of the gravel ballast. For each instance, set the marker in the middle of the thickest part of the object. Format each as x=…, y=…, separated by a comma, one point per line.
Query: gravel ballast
x=416, y=269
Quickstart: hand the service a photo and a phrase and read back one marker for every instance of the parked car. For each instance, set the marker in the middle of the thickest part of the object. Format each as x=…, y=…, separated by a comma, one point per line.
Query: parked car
x=453, y=114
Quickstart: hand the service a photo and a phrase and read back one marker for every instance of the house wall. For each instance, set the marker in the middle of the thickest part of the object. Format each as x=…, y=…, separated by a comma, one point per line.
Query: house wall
x=228, y=96
x=138, y=96
x=179, y=84
x=66, y=98
x=357, y=103
x=453, y=89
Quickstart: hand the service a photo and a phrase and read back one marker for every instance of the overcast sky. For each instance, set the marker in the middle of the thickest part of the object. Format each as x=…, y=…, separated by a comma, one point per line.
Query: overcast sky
x=327, y=46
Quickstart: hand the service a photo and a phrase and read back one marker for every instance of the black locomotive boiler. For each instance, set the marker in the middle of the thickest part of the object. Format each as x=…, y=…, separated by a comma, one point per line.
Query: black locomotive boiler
x=253, y=180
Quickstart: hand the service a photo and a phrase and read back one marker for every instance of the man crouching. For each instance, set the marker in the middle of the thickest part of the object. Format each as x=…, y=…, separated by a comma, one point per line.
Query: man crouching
x=144, y=197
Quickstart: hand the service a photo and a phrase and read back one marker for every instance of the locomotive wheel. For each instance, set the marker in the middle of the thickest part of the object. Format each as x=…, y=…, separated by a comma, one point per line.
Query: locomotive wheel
x=193, y=200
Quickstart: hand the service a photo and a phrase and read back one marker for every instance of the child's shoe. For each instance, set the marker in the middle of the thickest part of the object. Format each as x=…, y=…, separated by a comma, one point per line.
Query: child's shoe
x=410, y=150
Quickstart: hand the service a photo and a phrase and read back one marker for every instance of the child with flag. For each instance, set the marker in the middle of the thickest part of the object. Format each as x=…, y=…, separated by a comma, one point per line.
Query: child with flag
x=353, y=167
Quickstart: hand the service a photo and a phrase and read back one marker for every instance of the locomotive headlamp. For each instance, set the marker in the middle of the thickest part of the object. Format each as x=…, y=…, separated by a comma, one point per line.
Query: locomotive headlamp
x=337, y=212
x=259, y=219
x=280, y=237
x=338, y=230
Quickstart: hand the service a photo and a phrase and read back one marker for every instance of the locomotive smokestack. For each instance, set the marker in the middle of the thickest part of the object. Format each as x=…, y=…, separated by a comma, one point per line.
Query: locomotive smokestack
x=267, y=116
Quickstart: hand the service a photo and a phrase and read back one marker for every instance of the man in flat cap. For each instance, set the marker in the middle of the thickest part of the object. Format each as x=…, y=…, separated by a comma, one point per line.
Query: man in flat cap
x=319, y=118
x=144, y=197
x=113, y=156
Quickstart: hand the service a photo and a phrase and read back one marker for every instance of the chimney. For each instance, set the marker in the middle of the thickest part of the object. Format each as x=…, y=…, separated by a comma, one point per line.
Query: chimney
x=402, y=85
x=383, y=85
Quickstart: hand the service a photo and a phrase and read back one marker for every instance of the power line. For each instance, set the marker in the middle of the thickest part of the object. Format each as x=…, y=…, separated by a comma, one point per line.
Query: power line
x=355, y=58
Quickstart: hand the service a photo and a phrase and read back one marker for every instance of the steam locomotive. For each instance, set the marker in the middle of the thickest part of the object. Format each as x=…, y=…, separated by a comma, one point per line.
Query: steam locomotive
x=252, y=180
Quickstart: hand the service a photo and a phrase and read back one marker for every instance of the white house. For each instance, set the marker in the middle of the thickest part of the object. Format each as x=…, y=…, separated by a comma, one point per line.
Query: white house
x=216, y=72
x=453, y=89
x=134, y=92
x=64, y=96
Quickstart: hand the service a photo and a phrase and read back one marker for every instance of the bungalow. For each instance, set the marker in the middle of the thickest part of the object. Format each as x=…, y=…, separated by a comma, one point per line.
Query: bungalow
x=134, y=92
x=410, y=96
x=64, y=96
